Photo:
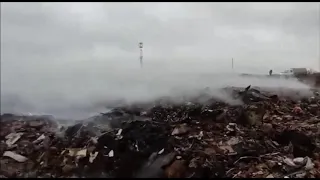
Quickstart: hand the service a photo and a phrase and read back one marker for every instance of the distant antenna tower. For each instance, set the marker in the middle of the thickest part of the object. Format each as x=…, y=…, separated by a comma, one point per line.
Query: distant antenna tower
x=141, y=53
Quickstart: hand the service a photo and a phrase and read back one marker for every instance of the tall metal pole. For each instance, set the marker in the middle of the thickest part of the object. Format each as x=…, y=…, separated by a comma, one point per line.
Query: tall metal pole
x=319, y=35
x=232, y=63
x=141, y=53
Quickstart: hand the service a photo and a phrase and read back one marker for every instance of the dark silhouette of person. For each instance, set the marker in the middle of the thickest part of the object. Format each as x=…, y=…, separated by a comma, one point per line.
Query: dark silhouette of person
x=270, y=72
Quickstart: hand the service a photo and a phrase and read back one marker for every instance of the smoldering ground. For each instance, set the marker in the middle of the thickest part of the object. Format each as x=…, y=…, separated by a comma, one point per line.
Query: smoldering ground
x=82, y=89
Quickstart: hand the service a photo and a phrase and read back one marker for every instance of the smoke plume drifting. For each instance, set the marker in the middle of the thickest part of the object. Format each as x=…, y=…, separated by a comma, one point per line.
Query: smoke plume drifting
x=82, y=89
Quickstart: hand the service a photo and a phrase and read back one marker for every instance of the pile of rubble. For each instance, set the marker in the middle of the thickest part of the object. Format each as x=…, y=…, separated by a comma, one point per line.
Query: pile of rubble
x=267, y=136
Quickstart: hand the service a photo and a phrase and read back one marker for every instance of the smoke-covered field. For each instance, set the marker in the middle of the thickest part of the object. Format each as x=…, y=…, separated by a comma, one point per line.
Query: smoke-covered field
x=79, y=90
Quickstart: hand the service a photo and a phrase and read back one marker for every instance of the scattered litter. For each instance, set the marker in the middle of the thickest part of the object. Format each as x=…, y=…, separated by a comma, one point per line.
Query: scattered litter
x=309, y=164
x=111, y=153
x=36, y=123
x=232, y=127
x=200, y=135
x=93, y=156
x=228, y=150
x=12, y=138
x=119, y=132
x=297, y=110
x=15, y=156
x=182, y=129
x=143, y=113
x=77, y=152
x=257, y=173
x=233, y=141
x=82, y=153
x=299, y=160
x=161, y=151
x=137, y=147
x=270, y=176
x=289, y=162
x=42, y=137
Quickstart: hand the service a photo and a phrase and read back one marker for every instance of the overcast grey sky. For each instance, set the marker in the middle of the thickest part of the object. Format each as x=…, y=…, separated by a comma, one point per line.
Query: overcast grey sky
x=43, y=42
x=266, y=34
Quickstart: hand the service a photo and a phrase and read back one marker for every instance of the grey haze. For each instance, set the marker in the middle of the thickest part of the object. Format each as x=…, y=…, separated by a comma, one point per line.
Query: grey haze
x=69, y=59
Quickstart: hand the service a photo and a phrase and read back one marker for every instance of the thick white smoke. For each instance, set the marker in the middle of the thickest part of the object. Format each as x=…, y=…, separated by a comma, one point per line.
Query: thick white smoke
x=83, y=89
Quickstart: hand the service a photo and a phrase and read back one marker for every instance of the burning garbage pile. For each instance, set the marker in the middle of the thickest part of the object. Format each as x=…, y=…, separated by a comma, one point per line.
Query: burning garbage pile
x=268, y=136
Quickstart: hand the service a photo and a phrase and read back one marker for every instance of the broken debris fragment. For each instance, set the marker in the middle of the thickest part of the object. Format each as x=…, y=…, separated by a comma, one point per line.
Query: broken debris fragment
x=12, y=138
x=15, y=156
x=161, y=151
x=111, y=153
x=93, y=156
x=181, y=129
